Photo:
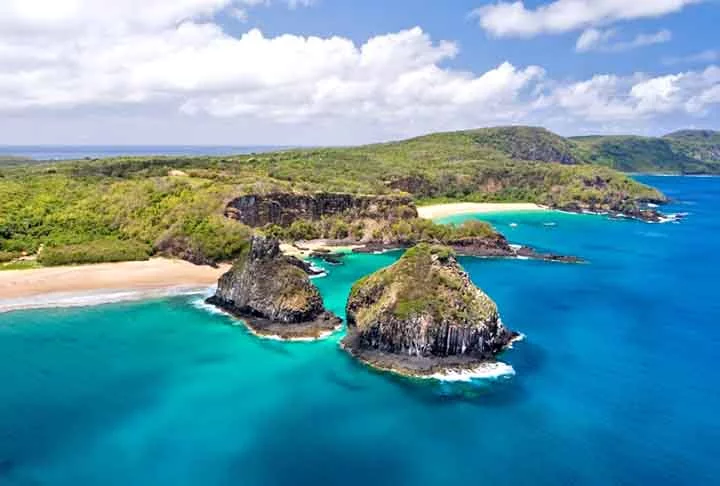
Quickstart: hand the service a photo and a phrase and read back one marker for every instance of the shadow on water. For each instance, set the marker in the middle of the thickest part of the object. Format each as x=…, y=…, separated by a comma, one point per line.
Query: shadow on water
x=338, y=380
x=276, y=347
x=314, y=455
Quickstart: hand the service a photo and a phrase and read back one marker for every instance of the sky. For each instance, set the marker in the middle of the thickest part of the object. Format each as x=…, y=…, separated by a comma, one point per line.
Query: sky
x=341, y=72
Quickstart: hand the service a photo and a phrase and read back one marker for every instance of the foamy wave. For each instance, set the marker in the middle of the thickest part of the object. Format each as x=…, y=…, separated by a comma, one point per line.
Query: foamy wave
x=89, y=299
x=320, y=275
x=484, y=371
x=673, y=217
x=513, y=225
x=209, y=308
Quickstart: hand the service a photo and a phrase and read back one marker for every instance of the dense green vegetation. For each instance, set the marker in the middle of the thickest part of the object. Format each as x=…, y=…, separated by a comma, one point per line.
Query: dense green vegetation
x=702, y=145
x=174, y=206
x=399, y=231
x=444, y=295
x=101, y=251
x=686, y=152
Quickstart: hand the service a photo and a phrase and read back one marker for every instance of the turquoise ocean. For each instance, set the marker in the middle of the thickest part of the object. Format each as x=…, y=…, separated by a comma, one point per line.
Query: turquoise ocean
x=617, y=381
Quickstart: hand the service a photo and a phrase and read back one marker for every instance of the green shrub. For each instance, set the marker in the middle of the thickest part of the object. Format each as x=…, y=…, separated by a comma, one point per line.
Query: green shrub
x=6, y=256
x=101, y=251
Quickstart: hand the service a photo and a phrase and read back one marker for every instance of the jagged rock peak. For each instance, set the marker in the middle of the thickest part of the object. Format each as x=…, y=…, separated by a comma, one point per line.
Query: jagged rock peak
x=272, y=293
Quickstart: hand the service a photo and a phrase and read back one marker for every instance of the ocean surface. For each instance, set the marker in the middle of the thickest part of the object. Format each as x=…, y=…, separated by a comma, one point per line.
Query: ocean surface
x=77, y=152
x=616, y=383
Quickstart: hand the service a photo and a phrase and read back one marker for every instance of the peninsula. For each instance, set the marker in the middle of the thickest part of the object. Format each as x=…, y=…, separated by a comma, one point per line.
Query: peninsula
x=205, y=209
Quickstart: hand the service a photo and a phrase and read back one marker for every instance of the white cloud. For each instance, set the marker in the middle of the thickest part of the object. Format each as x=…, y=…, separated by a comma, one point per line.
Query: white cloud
x=604, y=40
x=703, y=57
x=505, y=19
x=154, y=65
x=607, y=97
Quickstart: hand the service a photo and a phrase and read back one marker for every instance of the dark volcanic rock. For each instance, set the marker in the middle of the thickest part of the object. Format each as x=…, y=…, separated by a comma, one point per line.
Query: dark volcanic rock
x=285, y=208
x=495, y=246
x=423, y=315
x=272, y=294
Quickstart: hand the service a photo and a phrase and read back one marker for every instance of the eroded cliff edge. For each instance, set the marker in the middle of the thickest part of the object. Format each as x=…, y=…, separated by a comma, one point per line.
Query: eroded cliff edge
x=423, y=316
x=273, y=295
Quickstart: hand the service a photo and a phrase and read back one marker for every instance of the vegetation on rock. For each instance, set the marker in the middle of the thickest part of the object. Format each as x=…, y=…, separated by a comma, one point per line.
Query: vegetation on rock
x=421, y=313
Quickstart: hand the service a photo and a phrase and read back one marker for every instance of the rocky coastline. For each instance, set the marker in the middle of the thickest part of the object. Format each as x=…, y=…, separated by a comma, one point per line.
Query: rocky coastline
x=273, y=295
x=284, y=208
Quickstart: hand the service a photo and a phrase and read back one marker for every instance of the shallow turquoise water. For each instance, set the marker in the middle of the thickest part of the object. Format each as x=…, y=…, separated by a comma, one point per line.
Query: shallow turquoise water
x=617, y=381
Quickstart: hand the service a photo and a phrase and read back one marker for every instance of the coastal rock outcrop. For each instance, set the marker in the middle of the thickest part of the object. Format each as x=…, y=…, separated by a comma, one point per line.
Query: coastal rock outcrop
x=422, y=316
x=283, y=209
x=273, y=295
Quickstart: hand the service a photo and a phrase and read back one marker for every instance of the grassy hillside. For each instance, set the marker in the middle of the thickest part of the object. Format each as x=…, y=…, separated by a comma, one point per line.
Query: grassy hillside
x=685, y=152
x=143, y=206
x=702, y=145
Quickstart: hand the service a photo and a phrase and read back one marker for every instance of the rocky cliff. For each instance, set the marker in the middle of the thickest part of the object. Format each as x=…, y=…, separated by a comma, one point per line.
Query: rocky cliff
x=423, y=315
x=283, y=209
x=272, y=294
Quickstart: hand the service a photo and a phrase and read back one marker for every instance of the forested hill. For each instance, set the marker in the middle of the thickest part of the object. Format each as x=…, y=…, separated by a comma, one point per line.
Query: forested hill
x=683, y=152
x=135, y=207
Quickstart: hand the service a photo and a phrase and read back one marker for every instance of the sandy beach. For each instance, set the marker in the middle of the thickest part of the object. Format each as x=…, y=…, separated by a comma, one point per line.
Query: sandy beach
x=121, y=281
x=303, y=249
x=452, y=209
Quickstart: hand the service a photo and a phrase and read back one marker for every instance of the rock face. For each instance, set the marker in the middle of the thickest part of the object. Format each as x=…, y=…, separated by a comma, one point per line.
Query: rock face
x=285, y=208
x=273, y=294
x=423, y=315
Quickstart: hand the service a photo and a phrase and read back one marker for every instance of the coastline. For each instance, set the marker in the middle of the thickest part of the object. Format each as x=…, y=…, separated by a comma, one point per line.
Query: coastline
x=435, y=211
x=303, y=249
x=103, y=283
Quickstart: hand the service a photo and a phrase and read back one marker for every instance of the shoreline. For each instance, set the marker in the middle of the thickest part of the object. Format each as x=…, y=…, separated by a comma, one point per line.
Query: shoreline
x=303, y=249
x=102, y=283
x=436, y=211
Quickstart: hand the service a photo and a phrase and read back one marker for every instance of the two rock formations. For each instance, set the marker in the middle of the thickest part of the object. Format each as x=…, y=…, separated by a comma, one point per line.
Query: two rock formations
x=417, y=317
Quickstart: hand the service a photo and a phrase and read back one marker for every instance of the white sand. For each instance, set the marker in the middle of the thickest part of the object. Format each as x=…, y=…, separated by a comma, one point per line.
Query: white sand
x=444, y=210
x=303, y=249
x=88, y=284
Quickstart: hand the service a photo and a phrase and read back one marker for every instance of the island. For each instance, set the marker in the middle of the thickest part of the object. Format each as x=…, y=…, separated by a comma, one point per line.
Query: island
x=272, y=294
x=205, y=209
x=423, y=317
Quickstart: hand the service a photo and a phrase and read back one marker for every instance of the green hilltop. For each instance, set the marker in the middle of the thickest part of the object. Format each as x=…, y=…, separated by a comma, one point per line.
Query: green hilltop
x=684, y=152
x=135, y=207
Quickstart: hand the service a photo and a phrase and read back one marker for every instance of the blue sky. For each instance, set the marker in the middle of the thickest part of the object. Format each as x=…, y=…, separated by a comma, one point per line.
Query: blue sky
x=342, y=72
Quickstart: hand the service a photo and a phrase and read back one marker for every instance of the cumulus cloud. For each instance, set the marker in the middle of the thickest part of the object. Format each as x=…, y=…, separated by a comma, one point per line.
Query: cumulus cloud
x=605, y=40
x=172, y=63
x=609, y=97
x=287, y=79
x=514, y=19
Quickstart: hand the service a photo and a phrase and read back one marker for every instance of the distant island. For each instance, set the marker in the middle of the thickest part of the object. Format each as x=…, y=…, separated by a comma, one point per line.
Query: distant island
x=205, y=209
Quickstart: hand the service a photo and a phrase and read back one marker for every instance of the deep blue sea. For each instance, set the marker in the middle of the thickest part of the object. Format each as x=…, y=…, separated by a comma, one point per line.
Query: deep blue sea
x=617, y=382
x=77, y=152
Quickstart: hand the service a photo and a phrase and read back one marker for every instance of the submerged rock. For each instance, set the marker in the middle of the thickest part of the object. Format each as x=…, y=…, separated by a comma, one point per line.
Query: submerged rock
x=273, y=295
x=422, y=316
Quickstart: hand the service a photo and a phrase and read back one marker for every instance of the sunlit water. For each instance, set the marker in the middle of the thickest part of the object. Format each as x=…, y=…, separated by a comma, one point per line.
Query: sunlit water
x=616, y=382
